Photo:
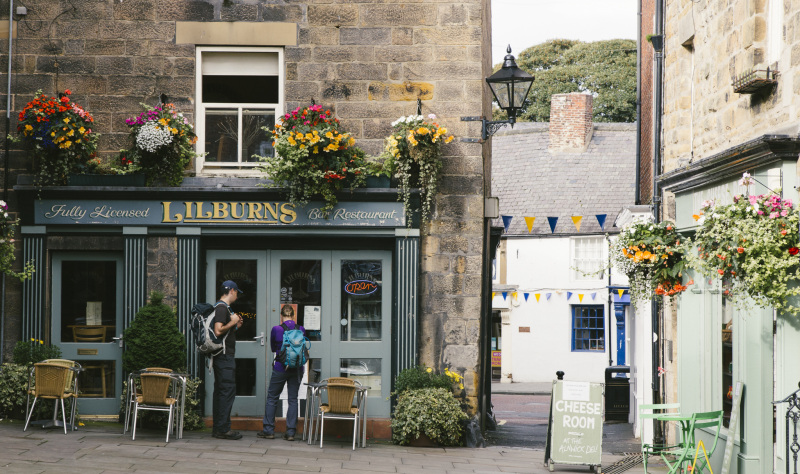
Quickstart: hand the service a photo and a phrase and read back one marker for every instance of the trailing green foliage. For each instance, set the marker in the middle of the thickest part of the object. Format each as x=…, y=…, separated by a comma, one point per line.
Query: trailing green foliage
x=418, y=377
x=153, y=338
x=33, y=351
x=434, y=412
x=607, y=69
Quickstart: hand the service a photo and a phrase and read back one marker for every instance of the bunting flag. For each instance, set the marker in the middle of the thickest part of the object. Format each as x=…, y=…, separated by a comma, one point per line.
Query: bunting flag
x=548, y=295
x=577, y=221
x=493, y=293
x=580, y=297
x=569, y=295
x=601, y=219
x=505, y=294
x=593, y=295
x=537, y=295
x=620, y=292
x=529, y=222
x=526, y=296
x=553, y=221
x=506, y=222
x=514, y=295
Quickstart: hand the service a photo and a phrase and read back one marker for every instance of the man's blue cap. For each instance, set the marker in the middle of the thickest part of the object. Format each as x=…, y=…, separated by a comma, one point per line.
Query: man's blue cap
x=230, y=285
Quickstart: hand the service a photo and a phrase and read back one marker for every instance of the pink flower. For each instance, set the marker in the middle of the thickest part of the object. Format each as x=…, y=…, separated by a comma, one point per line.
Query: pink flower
x=784, y=213
x=773, y=215
x=753, y=200
x=760, y=213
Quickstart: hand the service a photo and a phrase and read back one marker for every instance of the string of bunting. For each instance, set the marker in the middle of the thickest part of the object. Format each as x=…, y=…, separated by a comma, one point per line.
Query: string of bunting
x=618, y=295
x=553, y=222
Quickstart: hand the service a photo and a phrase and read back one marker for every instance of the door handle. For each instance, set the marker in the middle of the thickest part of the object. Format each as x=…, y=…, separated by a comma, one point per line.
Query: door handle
x=118, y=339
x=262, y=337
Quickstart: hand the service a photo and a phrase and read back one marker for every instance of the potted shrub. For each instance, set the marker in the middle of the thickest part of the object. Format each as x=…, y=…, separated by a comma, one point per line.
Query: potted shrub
x=121, y=171
x=163, y=144
x=314, y=157
x=427, y=412
x=415, y=147
x=379, y=172
x=59, y=133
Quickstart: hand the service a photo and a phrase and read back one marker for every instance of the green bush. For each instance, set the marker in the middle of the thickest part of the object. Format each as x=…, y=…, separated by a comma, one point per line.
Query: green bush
x=434, y=412
x=30, y=352
x=420, y=377
x=14, y=392
x=153, y=339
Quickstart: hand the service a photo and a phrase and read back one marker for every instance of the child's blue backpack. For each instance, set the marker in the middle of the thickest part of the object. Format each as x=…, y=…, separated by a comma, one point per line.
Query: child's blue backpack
x=294, y=349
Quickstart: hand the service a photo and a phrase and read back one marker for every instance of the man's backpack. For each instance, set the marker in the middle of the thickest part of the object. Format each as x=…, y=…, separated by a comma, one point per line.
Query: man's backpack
x=206, y=342
x=294, y=349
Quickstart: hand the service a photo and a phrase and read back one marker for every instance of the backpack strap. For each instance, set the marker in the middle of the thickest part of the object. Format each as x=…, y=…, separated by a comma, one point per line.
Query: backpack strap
x=224, y=348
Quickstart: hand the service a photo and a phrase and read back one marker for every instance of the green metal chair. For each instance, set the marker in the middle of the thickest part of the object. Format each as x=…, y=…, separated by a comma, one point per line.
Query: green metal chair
x=711, y=420
x=652, y=411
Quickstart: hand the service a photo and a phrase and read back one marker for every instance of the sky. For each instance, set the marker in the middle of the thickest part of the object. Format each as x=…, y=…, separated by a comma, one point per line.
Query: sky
x=524, y=23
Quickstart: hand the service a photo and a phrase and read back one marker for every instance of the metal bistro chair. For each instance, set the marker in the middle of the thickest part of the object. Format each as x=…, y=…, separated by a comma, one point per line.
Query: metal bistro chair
x=649, y=412
x=53, y=379
x=703, y=420
x=155, y=396
x=341, y=392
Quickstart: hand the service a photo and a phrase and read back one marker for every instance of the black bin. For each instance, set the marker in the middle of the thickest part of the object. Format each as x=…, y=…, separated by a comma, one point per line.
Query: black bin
x=618, y=401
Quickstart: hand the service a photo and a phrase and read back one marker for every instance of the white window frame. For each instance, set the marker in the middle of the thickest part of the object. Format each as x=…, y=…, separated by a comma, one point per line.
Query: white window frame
x=239, y=167
x=576, y=260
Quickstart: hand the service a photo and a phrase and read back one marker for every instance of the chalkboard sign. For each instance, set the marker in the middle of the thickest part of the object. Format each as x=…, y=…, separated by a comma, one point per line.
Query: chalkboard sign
x=575, y=431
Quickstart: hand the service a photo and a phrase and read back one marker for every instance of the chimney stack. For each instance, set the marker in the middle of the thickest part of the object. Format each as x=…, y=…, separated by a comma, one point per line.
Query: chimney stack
x=570, y=122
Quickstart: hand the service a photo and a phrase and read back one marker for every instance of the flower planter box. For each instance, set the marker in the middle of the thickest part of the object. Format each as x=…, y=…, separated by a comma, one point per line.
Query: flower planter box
x=378, y=182
x=135, y=179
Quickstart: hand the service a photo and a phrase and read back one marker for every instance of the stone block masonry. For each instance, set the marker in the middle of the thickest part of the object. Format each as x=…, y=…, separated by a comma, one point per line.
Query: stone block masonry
x=368, y=61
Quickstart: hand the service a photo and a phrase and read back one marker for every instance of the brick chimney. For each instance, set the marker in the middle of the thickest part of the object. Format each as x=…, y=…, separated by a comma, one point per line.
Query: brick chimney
x=570, y=122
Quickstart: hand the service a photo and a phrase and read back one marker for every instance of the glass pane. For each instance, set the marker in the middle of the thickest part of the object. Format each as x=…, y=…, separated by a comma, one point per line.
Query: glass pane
x=88, y=301
x=245, y=274
x=222, y=136
x=240, y=89
x=362, y=286
x=245, y=377
x=301, y=290
x=365, y=371
x=97, y=379
x=256, y=140
x=315, y=372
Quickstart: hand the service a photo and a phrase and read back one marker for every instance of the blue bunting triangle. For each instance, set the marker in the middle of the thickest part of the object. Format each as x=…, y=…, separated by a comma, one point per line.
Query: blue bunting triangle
x=526, y=296
x=601, y=219
x=594, y=294
x=505, y=294
x=548, y=295
x=552, y=221
x=569, y=295
x=506, y=221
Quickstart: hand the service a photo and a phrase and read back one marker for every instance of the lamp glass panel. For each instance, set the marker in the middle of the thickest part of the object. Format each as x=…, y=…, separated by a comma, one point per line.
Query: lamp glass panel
x=501, y=93
x=520, y=93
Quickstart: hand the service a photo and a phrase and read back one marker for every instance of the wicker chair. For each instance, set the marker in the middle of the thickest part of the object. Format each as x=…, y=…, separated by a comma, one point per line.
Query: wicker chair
x=132, y=391
x=341, y=392
x=155, y=396
x=55, y=380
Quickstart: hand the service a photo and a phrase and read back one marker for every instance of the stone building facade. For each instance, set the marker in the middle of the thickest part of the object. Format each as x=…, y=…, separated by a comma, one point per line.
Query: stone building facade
x=729, y=107
x=368, y=61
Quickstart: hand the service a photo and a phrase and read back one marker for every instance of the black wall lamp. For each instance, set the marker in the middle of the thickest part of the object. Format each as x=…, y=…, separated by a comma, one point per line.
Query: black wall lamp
x=510, y=87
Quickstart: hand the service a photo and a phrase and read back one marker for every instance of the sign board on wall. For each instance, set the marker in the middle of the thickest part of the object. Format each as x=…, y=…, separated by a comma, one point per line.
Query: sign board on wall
x=496, y=359
x=575, y=431
x=215, y=213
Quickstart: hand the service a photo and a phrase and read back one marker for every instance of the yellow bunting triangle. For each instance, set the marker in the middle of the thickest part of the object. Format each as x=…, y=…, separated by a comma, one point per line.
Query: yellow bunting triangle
x=620, y=293
x=577, y=221
x=493, y=293
x=580, y=297
x=537, y=295
x=514, y=294
x=529, y=221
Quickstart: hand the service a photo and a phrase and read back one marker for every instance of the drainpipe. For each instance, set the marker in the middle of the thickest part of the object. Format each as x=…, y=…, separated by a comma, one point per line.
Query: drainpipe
x=637, y=195
x=5, y=171
x=608, y=289
x=658, y=431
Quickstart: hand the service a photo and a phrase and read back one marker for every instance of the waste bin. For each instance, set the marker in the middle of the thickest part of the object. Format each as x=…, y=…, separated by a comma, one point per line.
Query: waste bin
x=618, y=401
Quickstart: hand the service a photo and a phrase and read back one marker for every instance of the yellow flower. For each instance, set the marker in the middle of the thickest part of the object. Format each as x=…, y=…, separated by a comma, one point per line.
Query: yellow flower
x=71, y=133
x=329, y=135
x=422, y=131
x=32, y=339
x=461, y=386
x=28, y=127
x=66, y=120
x=316, y=149
x=429, y=370
x=41, y=342
x=82, y=130
x=448, y=139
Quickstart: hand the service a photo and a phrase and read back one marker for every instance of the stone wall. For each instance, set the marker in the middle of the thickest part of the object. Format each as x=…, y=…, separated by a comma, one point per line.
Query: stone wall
x=707, y=44
x=368, y=61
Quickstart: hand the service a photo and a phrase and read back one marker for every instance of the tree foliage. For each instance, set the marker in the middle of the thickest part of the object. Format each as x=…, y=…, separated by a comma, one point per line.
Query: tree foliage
x=607, y=69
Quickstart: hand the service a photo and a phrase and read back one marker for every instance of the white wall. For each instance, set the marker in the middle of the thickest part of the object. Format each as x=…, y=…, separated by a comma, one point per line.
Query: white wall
x=543, y=266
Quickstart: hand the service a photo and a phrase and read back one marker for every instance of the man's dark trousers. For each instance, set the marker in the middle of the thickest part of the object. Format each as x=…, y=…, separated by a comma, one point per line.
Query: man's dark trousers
x=224, y=391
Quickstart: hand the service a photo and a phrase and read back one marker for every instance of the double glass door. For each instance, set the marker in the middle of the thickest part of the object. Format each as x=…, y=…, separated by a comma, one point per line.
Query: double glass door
x=341, y=298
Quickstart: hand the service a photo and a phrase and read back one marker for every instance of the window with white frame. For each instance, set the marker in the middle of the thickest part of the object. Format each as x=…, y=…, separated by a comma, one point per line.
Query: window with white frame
x=587, y=258
x=239, y=94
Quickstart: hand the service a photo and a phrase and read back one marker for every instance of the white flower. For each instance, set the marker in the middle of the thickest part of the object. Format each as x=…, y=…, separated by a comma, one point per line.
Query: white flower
x=152, y=137
x=746, y=180
x=432, y=116
x=2, y=203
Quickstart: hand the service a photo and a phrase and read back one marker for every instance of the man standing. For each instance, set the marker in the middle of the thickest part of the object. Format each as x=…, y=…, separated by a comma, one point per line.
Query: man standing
x=225, y=324
x=282, y=375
